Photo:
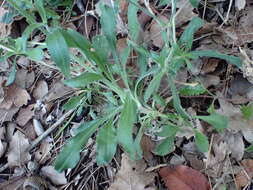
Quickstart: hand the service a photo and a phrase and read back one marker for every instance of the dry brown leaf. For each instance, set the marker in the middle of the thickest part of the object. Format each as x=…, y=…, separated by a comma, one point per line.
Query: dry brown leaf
x=24, y=79
x=155, y=31
x=235, y=145
x=24, y=115
x=29, y=131
x=185, y=13
x=58, y=90
x=43, y=154
x=17, y=154
x=40, y=90
x=236, y=119
x=7, y=114
x=14, y=95
x=147, y=145
x=244, y=177
x=132, y=175
x=5, y=29
x=234, y=36
x=209, y=80
x=183, y=177
x=54, y=176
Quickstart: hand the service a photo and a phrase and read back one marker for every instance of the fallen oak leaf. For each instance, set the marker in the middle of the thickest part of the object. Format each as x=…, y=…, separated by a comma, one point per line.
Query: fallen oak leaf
x=183, y=177
x=132, y=175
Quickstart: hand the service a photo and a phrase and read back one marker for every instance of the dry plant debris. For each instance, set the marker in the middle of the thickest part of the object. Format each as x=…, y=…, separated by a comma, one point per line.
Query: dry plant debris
x=132, y=175
x=183, y=177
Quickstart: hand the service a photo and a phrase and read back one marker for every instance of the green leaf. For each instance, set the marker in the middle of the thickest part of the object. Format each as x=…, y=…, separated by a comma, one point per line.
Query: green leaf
x=249, y=148
x=153, y=86
x=133, y=23
x=125, y=125
x=247, y=111
x=164, y=2
x=83, y=80
x=59, y=51
x=12, y=75
x=218, y=121
x=211, y=53
x=76, y=40
x=168, y=131
x=40, y=7
x=194, y=3
x=100, y=44
x=186, y=38
x=35, y=54
x=201, y=141
x=21, y=42
x=191, y=90
x=106, y=143
x=70, y=155
x=176, y=99
x=108, y=24
x=165, y=147
x=73, y=103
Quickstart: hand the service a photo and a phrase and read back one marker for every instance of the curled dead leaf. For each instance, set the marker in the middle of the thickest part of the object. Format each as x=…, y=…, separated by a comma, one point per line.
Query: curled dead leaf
x=54, y=176
x=18, y=154
x=24, y=115
x=40, y=90
x=183, y=177
x=14, y=96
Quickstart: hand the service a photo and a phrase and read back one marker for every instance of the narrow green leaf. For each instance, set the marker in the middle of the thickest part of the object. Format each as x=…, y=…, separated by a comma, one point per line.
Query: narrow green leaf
x=201, y=141
x=186, y=38
x=76, y=40
x=106, y=143
x=164, y=2
x=249, y=148
x=168, y=131
x=58, y=49
x=83, y=80
x=210, y=53
x=176, y=99
x=73, y=103
x=35, y=54
x=194, y=3
x=133, y=23
x=70, y=155
x=218, y=121
x=153, y=86
x=40, y=7
x=247, y=111
x=165, y=147
x=101, y=45
x=108, y=24
x=190, y=90
x=125, y=125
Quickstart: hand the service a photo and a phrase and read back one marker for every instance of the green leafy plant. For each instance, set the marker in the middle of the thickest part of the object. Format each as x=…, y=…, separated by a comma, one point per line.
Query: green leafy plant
x=133, y=105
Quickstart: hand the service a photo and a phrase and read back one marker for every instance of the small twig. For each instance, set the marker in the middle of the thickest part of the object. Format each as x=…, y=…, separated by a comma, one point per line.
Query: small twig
x=49, y=130
x=227, y=16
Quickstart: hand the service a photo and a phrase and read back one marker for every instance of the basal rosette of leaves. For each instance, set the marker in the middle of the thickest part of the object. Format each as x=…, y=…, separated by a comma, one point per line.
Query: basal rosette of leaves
x=123, y=107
